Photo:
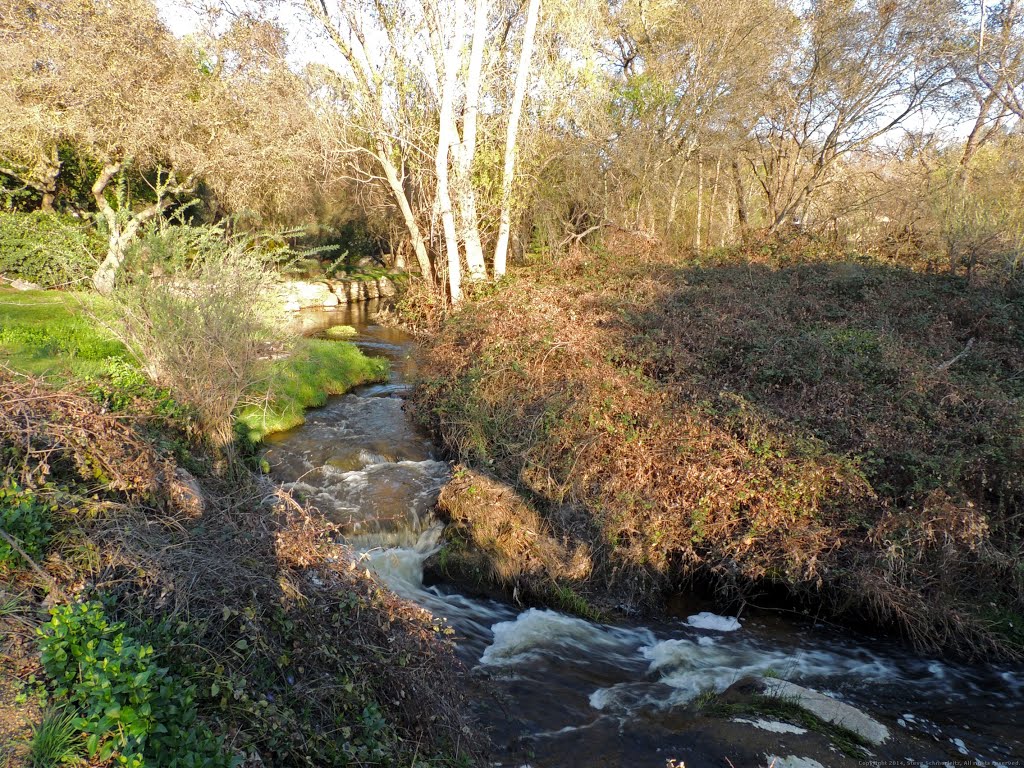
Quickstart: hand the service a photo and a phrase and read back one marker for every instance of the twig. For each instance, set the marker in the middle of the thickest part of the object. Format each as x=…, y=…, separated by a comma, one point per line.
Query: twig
x=16, y=546
x=949, y=363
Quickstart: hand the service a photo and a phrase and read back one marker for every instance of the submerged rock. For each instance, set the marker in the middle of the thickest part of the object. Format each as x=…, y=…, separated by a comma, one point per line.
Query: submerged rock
x=826, y=708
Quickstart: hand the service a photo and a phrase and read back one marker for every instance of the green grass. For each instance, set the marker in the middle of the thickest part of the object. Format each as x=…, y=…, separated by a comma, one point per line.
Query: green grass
x=62, y=336
x=318, y=369
x=55, y=740
x=57, y=335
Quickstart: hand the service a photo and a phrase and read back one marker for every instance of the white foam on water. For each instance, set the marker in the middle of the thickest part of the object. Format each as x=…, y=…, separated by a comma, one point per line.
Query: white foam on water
x=793, y=761
x=540, y=631
x=708, y=620
x=691, y=667
x=628, y=697
x=771, y=725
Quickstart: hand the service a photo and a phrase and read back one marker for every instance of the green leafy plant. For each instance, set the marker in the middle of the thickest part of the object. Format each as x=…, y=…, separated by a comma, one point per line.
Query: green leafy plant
x=50, y=249
x=27, y=519
x=131, y=709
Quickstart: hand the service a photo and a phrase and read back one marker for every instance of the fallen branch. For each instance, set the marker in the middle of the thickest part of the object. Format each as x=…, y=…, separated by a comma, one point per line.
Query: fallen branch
x=16, y=546
x=949, y=363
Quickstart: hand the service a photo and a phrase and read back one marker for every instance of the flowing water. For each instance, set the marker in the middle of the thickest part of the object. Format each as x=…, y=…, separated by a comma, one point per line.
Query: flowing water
x=570, y=692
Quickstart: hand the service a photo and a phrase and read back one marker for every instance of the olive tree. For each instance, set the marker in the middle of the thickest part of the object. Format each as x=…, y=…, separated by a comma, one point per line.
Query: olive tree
x=109, y=79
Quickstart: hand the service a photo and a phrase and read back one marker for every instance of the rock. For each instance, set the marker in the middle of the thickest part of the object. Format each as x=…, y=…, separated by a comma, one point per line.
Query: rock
x=828, y=709
x=773, y=726
x=307, y=294
x=328, y=294
x=25, y=285
x=185, y=493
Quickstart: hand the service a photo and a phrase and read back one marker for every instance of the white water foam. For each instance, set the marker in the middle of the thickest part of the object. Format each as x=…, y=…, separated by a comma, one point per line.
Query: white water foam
x=538, y=631
x=707, y=620
x=691, y=667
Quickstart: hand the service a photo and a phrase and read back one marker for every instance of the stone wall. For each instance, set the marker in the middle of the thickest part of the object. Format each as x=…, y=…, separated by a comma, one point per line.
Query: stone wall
x=327, y=294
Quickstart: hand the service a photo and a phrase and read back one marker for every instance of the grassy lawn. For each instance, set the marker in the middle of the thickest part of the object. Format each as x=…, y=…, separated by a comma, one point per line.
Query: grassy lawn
x=65, y=337
x=57, y=335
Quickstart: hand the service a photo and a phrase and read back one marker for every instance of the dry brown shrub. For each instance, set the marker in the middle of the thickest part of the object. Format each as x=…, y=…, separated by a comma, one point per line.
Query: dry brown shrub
x=46, y=425
x=509, y=542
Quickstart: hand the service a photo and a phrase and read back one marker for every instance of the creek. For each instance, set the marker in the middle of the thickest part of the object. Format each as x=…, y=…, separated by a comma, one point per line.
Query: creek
x=557, y=690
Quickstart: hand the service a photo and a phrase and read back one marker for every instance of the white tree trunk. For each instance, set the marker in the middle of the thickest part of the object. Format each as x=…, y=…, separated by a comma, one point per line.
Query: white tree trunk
x=123, y=227
x=445, y=139
x=512, y=130
x=700, y=202
x=475, y=263
x=714, y=196
x=419, y=245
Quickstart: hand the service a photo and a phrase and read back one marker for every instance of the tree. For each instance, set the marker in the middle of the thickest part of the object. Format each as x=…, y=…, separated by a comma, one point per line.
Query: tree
x=110, y=80
x=410, y=83
x=861, y=70
x=511, y=135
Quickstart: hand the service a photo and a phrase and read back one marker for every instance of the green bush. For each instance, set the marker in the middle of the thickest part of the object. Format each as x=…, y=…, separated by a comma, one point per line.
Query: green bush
x=26, y=518
x=50, y=249
x=131, y=709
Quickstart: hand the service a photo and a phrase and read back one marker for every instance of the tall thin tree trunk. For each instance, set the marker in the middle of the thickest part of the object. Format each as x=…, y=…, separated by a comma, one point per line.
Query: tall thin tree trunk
x=104, y=276
x=714, y=195
x=445, y=139
x=50, y=183
x=741, y=197
x=976, y=138
x=700, y=201
x=465, y=151
x=674, y=201
x=419, y=244
x=512, y=130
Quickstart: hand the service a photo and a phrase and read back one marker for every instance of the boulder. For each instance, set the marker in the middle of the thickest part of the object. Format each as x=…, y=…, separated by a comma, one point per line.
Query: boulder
x=307, y=294
x=185, y=493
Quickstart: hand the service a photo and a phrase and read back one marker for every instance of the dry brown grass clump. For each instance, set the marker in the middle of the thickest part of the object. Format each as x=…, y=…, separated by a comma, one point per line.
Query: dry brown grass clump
x=496, y=539
x=767, y=420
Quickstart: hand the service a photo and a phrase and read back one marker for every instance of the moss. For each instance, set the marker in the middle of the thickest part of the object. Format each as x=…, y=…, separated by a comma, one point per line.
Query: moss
x=316, y=370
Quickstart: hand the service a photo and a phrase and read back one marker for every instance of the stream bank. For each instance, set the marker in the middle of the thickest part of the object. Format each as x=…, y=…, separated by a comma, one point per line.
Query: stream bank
x=568, y=691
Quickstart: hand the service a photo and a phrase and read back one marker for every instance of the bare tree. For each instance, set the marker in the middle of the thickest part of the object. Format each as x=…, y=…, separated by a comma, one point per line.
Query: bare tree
x=860, y=71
